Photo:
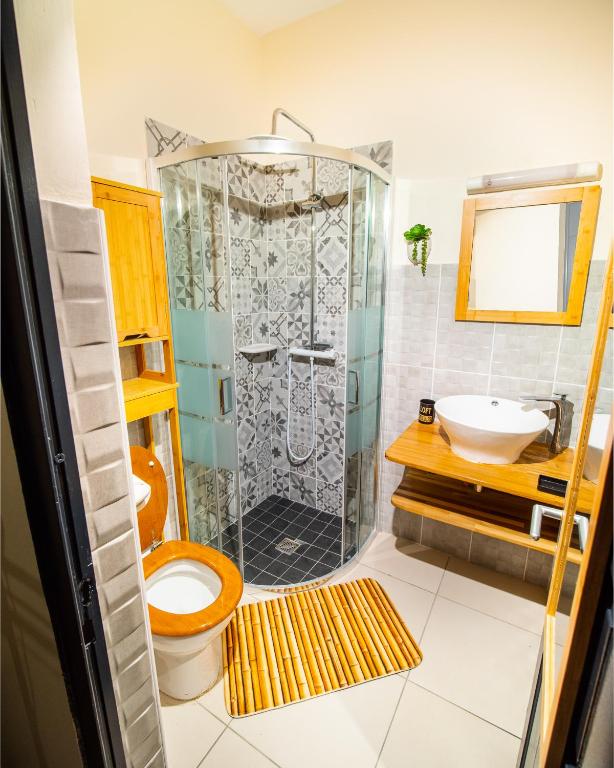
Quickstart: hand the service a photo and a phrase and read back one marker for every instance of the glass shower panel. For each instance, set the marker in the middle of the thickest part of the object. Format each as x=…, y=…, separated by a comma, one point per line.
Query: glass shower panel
x=202, y=336
x=373, y=357
x=359, y=195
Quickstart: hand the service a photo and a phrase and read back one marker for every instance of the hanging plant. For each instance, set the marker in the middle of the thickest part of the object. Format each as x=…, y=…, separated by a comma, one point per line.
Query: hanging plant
x=418, y=239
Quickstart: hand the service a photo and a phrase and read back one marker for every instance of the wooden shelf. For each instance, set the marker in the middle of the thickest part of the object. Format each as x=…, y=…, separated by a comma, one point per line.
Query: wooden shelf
x=140, y=387
x=426, y=447
x=492, y=513
x=145, y=397
x=135, y=240
x=141, y=340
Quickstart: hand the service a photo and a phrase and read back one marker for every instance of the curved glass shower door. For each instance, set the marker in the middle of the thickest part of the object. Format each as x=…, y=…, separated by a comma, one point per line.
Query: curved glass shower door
x=198, y=275
x=365, y=355
x=268, y=254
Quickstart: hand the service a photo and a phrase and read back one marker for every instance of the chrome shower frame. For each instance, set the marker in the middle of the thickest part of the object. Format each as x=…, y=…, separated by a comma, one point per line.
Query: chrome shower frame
x=263, y=146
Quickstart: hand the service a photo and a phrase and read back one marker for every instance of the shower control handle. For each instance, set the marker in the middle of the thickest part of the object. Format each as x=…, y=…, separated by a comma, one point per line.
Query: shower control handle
x=225, y=395
x=357, y=389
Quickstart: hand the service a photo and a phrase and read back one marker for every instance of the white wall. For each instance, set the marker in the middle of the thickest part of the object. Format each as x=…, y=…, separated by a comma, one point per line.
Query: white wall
x=462, y=88
x=190, y=64
x=55, y=111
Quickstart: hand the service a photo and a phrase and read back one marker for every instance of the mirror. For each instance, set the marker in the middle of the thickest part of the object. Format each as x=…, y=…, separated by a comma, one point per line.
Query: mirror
x=525, y=255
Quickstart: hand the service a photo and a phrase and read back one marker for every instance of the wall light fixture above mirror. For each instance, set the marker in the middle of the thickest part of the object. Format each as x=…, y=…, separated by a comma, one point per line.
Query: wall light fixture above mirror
x=525, y=255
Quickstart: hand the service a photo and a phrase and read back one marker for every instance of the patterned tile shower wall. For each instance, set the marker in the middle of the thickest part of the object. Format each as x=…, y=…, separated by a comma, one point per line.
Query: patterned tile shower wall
x=270, y=245
x=163, y=139
x=261, y=276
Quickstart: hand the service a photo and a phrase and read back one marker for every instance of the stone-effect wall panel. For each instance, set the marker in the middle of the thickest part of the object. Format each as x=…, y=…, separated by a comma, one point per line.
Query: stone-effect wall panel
x=114, y=593
x=109, y=522
x=84, y=322
x=82, y=295
x=93, y=408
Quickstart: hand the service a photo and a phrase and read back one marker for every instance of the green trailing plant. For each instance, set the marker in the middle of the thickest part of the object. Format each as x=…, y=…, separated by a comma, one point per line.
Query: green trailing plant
x=419, y=234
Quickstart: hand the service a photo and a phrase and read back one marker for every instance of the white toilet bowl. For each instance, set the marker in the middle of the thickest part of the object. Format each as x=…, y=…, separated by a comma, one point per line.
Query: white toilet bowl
x=192, y=592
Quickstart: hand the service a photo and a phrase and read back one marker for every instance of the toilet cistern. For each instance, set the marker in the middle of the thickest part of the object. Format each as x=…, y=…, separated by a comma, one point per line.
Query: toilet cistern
x=141, y=490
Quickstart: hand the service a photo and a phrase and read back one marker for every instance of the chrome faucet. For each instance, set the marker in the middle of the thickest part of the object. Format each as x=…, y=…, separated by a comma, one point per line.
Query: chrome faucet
x=562, y=418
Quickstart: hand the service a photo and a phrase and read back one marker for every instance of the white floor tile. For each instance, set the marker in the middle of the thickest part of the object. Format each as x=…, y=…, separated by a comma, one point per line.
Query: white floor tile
x=406, y=560
x=214, y=702
x=496, y=594
x=412, y=603
x=189, y=732
x=428, y=732
x=341, y=728
x=479, y=663
x=231, y=751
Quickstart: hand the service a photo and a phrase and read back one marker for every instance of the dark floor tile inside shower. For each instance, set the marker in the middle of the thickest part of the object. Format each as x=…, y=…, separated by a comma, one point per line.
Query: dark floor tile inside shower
x=270, y=523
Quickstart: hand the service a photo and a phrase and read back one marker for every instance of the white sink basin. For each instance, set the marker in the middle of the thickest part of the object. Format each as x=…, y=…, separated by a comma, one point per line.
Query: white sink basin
x=596, y=444
x=489, y=430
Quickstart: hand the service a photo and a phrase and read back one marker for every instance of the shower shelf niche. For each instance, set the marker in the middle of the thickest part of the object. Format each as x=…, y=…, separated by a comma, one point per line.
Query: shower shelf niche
x=258, y=349
x=317, y=354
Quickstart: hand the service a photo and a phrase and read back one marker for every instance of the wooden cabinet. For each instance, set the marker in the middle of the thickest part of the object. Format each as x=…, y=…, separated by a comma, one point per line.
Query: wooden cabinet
x=136, y=254
x=133, y=222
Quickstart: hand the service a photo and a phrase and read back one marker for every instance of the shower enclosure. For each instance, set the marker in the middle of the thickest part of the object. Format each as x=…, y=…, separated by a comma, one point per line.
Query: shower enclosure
x=276, y=253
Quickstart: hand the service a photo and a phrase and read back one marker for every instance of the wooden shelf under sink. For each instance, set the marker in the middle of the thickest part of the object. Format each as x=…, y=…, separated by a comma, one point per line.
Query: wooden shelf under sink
x=492, y=513
x=494, y=500
x=426, y=447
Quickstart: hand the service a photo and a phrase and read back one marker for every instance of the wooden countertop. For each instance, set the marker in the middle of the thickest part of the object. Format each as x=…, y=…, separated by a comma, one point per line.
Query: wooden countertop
x=426, y=447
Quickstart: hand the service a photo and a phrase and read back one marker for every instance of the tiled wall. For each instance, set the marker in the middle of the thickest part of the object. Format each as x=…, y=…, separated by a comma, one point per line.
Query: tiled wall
x=163, y=139
x=429, y=354
x=249, y=299
x=81, y=288
x=271, y=297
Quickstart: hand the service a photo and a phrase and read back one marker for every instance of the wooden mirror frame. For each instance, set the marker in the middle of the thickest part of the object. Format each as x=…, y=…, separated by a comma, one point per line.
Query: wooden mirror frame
x=589, y=196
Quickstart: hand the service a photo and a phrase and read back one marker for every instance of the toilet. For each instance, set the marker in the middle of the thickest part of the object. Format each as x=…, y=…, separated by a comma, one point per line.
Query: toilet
x=192, y=590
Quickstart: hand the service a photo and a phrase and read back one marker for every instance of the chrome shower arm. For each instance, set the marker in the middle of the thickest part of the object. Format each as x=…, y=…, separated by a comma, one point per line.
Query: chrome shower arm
x=280, y=111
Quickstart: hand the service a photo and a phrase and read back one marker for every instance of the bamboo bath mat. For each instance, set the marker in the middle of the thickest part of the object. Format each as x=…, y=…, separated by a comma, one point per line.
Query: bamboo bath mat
x=313, y=642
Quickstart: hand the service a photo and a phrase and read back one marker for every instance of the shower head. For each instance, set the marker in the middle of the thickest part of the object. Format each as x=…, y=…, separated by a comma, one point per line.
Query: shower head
x=313, y=202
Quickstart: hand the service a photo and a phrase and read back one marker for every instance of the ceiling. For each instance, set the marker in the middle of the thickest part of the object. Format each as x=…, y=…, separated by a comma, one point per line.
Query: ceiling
x=266, y=15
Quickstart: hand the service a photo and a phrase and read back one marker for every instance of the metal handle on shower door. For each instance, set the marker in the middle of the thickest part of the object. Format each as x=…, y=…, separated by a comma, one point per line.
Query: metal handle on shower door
x=225, y=395
x=357, y=390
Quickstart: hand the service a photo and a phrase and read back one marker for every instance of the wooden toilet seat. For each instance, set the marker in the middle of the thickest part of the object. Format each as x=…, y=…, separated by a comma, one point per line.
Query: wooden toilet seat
x=182, y=624
x=151, y=529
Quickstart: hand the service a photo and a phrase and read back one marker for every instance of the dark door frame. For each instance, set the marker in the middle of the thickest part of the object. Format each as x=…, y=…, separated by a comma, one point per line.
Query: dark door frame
x=37, y=406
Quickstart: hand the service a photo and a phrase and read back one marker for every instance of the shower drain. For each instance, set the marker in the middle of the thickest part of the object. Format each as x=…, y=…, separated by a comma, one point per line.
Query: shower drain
x=288, y=546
